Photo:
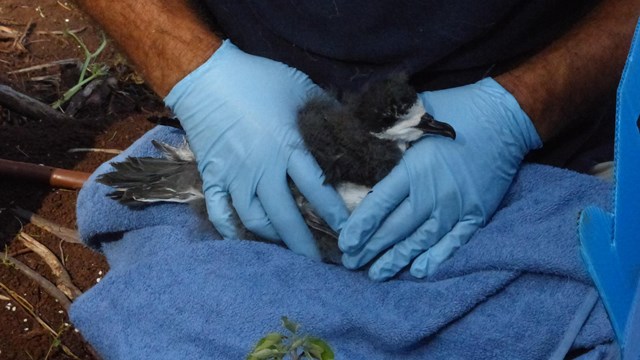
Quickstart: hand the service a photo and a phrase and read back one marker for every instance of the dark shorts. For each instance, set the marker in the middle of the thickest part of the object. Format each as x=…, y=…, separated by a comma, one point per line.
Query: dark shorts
x=341, y=44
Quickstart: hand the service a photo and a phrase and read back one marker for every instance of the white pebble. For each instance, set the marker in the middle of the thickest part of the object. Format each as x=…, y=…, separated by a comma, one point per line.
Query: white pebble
x=60, y=312
x=25, y=320
x=13, y=308
x=76, y=330
x=26, y=329
x=98, y=280
x=100, y=272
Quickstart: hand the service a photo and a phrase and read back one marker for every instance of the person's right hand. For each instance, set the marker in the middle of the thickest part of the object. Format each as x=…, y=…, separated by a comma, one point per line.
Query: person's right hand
x=239, y=112
x=442, y=191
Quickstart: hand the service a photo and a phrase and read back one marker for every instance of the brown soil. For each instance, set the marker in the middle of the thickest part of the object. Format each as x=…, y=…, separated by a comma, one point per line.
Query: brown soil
x=112, y=123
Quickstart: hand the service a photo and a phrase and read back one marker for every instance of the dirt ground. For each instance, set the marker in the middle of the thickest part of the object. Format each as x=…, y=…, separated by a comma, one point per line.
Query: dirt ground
x=33, y=35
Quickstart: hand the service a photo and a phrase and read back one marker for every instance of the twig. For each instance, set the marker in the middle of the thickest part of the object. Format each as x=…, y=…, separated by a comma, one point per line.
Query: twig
x=7, y=33
x=19, y=42
x=10, y=22
x=28, y=106
x=56, y=177
x=107, y=151
x=62, y=256
x=63, y=279
x=45, y=66
x=4, y=298
x=22, y=151
x=46, y=78
x=20, y=252
x=64, y=5
x=39, y=279
x=61, y=32
x=58, y=230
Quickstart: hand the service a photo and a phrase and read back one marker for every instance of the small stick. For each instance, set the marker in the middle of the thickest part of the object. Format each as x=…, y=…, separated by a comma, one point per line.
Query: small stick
x=107, y=151
x=28, y=106
x=60, y=32
x=10, y=22
x=56, y=177
x=7, y=33
x=63, y=279
x=19, y=42
x=63, y=5
x=4, y=298
x=20, y=252
x=44, y=78
x=58, y=230
x=45, y=66
x=39, y=279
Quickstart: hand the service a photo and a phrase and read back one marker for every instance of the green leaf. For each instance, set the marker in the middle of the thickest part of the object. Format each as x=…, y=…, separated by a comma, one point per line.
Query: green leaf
x=264, y=354
x=319, y=349
x=297, y=343
x=271, y=342
x=290, y=325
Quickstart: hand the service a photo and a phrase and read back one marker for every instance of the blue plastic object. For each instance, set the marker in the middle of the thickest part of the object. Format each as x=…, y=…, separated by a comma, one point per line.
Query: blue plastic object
x=611, y=242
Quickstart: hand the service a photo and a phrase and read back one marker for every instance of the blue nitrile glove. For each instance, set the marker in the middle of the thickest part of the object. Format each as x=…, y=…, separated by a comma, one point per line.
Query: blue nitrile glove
x=443, y=190
x=239, y=112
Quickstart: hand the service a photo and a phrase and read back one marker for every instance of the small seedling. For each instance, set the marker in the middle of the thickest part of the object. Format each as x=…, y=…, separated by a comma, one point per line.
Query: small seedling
x=96, y=69
x=57, y=343
x=277, y=346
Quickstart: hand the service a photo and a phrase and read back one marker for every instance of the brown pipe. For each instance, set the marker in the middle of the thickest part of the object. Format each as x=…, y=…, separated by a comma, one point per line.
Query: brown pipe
x=56, y=177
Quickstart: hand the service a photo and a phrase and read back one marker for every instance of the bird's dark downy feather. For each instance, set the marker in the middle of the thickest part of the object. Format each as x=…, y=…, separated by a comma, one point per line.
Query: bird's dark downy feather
x=344, y=149
x=381, y=103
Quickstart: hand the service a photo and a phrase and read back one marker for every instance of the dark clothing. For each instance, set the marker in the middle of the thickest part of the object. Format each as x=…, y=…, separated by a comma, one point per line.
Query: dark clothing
x=341, y=44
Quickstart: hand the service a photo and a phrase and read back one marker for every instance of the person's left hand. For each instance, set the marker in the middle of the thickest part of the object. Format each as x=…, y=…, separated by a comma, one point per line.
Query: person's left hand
x=443, y=190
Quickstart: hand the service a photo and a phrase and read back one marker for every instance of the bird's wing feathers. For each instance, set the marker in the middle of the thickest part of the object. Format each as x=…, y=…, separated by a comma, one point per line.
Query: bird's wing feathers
x=148, y=180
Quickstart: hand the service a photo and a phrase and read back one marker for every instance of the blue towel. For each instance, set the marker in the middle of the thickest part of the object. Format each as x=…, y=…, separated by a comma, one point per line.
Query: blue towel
x=517, y=290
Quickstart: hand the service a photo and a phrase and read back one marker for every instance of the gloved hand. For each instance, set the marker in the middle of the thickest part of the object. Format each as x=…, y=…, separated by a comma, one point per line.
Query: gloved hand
x=239, y=112
x=443, y=190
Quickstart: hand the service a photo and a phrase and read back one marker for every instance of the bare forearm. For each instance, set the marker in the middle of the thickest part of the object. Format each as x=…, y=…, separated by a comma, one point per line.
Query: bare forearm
x=576, y=71
x=165, y=39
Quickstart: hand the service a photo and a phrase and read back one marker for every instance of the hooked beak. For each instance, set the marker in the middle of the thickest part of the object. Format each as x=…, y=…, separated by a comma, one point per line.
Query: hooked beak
x=432, y=126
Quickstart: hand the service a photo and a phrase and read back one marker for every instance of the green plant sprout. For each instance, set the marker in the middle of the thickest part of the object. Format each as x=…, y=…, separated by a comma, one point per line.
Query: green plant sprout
x=276, y=346
x=57, y=343
x=97, y=70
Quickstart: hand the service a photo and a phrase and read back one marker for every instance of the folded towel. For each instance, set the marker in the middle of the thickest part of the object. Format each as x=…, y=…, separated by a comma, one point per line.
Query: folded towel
x=517, y=290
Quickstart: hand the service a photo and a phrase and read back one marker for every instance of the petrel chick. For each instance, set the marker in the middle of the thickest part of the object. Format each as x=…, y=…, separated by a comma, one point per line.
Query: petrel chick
x=356, y=142
x=361, y=139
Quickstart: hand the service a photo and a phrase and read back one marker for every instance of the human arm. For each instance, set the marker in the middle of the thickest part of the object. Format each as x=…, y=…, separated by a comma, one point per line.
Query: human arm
x=238, y=111
x=165, y=40
x=578, y=70
x=444, y=190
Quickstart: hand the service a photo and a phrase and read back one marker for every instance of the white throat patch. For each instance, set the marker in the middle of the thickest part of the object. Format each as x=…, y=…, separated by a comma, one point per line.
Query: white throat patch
x=404, y=131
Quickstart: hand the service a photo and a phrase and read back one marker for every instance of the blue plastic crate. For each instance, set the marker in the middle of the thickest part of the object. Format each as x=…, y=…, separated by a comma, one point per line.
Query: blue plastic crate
x=611, y=242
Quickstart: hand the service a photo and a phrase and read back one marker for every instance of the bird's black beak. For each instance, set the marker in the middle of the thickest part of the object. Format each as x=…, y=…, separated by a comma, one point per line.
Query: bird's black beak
x=432, y=126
